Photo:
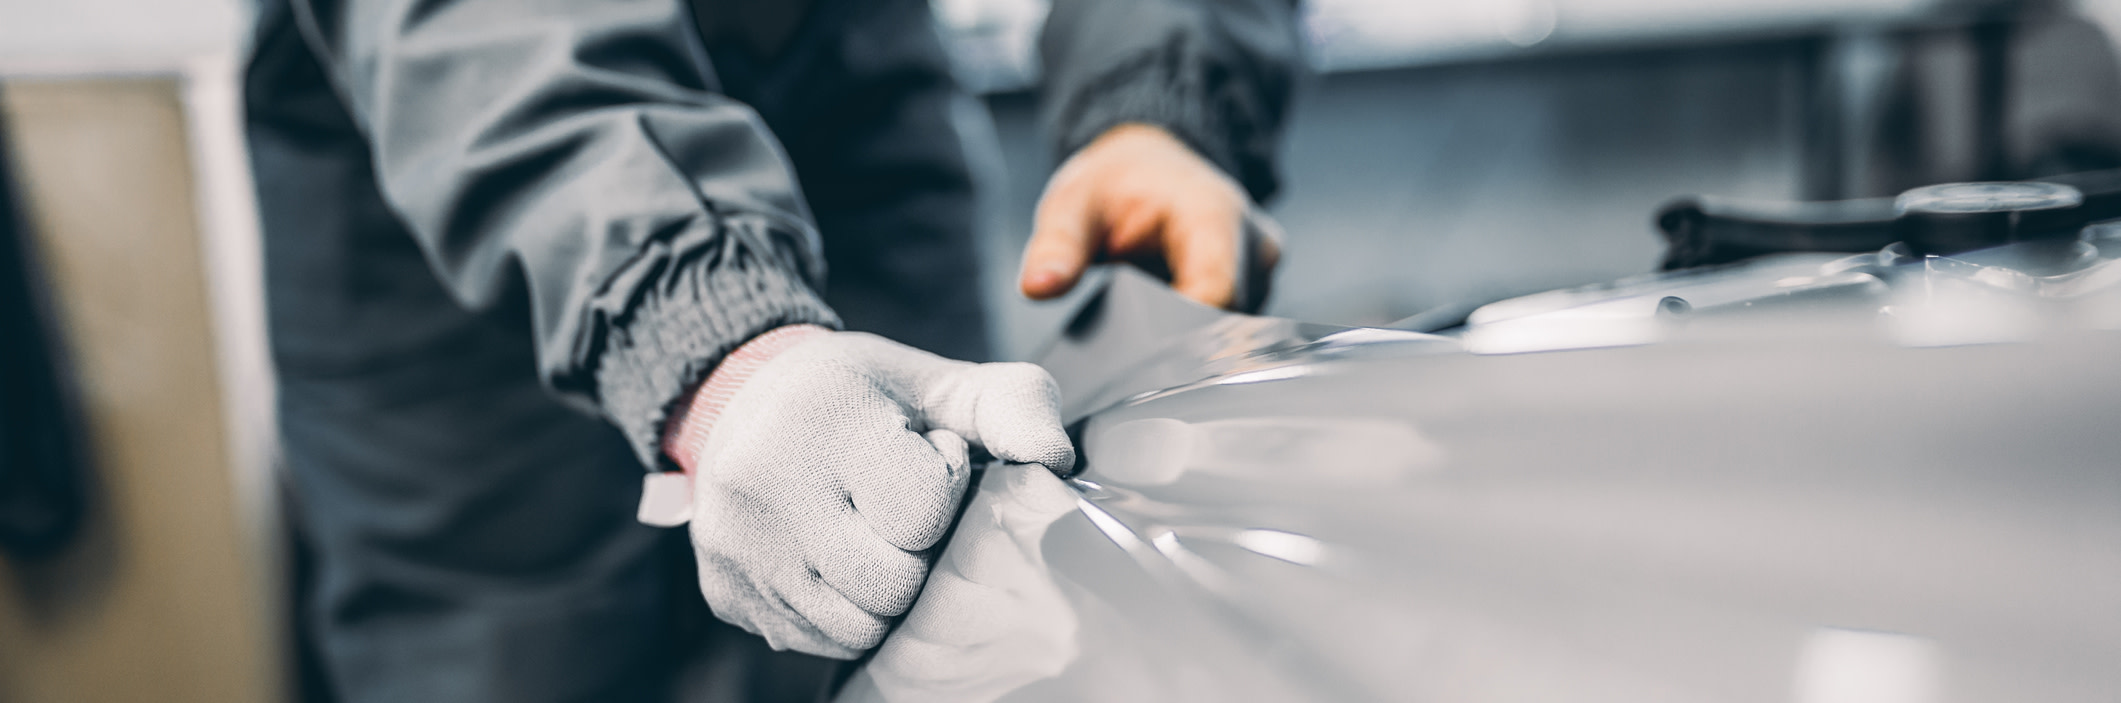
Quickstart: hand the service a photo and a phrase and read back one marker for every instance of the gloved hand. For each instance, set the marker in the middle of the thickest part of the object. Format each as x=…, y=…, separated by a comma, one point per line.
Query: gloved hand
x=826, y=464
x=992, y=618
x=1138, y=194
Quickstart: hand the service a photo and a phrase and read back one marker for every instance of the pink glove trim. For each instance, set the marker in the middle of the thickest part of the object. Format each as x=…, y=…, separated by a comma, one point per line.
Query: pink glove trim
x=686, y=430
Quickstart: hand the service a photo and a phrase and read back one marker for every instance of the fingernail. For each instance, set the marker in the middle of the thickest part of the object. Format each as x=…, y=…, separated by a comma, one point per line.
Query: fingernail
x=1043, y=278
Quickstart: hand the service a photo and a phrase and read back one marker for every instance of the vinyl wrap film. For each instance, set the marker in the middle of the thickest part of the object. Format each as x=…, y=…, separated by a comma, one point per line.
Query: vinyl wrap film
x=1748, y=506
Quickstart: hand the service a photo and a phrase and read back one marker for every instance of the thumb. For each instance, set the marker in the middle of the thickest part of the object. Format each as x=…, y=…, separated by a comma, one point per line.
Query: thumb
x=1063, y=240
x=1011, y=409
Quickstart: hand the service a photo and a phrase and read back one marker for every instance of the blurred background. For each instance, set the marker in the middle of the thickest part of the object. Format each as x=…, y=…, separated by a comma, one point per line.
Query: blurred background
x=1464, y=152
x=1443, y=153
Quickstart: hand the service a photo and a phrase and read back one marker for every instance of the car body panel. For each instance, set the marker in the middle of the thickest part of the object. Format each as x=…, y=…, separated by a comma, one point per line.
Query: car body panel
x=1823, y=479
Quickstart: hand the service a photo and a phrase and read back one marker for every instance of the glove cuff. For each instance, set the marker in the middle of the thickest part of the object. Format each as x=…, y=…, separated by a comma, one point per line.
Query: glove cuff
x=686, y=430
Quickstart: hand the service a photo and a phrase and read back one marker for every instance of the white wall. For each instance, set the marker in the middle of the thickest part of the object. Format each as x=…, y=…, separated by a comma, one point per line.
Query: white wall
x=83, y=45
x=75, y=36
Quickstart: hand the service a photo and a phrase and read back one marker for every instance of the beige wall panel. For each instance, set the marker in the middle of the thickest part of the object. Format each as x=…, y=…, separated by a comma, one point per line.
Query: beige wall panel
x=156, y=602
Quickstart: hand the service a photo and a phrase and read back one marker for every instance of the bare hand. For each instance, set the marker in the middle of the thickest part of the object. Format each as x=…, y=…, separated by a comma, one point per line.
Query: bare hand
x=1140, y=195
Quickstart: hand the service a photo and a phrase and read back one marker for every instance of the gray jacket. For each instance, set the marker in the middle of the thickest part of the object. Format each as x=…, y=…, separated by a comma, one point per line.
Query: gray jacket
x=471, y=204
x=582, y=156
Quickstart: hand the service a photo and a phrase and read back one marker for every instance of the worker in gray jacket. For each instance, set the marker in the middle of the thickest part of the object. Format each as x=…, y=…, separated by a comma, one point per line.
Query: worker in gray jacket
x=518, y=249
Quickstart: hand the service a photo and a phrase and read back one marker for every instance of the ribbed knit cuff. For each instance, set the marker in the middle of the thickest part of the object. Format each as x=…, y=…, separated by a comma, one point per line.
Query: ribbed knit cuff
x=687, y=429
x=1161, y=88
x=703, y=308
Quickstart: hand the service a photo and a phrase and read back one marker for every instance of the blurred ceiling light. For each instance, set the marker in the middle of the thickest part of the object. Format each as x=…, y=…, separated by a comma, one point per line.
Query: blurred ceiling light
x=995, y=41
x=1527, y=23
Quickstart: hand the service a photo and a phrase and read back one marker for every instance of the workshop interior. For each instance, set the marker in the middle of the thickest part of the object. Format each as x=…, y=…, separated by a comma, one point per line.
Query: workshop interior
x=1618, y=350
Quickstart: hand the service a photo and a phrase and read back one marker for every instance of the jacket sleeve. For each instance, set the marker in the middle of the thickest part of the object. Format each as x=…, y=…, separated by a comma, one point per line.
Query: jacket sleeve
x=1216, y=73
x=577, y=150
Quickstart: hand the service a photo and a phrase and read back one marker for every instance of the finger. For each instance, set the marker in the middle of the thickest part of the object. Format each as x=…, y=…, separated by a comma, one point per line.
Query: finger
x=949, y=637
x=784, y=629
x=1016, y=415
x=1034, y=497
x=1133, y=230
x=739, y=600
x=831, y=613
x=955, y=453
x=871, y=573
x=934, y=664
x=729, y=595
x=991, y=558
x=1201, y=245
x=910, y=491
x=957, y=610
x=1063, y=239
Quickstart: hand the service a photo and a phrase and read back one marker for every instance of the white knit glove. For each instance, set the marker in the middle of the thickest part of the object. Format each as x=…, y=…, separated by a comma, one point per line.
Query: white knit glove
x=826, y=464
x=992, y=618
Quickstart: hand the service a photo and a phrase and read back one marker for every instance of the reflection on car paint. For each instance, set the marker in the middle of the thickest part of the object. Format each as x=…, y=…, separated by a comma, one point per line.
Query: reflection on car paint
x=1777, y=500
